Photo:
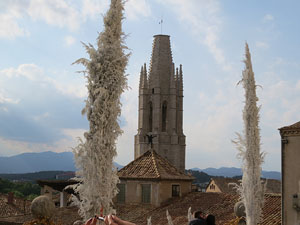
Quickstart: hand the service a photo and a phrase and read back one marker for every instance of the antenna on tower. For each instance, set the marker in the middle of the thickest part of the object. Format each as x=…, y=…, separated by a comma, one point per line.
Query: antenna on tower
x=161, y=24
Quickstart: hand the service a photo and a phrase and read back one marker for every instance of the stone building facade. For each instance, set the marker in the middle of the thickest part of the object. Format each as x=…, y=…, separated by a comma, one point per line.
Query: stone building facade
x=151, y=179
x=160, y=117
x=290, y=169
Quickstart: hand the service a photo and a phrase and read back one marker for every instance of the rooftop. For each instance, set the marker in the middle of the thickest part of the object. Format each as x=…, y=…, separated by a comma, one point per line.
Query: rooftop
x=151, y=165
x=291, y=127
x=273, y=186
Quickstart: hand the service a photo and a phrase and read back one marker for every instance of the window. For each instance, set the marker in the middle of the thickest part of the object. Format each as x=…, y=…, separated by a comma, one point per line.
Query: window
x=146, y=193
x=212, y=187
x=164, y=117
x=150, y=116
x=121, y=194
x=175, y=190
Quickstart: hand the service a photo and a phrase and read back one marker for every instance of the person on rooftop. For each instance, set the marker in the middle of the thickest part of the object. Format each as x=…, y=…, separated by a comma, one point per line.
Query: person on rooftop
x=199, y=218
x=210, y=220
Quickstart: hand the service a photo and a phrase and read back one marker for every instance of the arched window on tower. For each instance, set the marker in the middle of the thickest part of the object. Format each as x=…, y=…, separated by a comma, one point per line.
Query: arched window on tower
x=150, y=116
x=164, y=117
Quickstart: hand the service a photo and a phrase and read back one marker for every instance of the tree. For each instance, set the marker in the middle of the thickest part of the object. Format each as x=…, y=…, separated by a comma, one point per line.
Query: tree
x=251, y=189
x=106, y=81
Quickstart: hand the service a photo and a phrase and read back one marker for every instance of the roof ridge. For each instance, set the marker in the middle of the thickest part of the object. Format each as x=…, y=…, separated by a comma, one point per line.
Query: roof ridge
x=155, y=163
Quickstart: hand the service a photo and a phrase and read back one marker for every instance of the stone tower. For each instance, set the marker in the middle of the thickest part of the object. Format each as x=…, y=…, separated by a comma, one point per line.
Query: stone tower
x=160, y=117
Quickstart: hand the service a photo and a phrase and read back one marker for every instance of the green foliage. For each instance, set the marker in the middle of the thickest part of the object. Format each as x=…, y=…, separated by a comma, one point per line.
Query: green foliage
x=22, y=190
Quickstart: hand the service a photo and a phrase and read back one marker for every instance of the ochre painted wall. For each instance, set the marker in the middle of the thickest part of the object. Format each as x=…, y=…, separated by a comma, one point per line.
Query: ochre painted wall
x=291, y=179
x=160, y=190
x=211, y=189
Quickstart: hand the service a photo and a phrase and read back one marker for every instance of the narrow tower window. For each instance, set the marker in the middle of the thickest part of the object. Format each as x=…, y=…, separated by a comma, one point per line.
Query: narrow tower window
x=164, y=117
x=150, y=116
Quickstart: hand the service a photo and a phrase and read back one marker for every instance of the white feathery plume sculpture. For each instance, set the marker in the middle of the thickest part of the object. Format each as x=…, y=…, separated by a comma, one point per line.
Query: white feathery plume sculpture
x=190, y=215
x=106, y=81
x=251, y=189
x=149, y=221
x=170, y=222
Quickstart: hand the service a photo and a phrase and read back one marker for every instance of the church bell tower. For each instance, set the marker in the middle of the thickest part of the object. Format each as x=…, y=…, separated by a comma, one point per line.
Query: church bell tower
x=160, y=117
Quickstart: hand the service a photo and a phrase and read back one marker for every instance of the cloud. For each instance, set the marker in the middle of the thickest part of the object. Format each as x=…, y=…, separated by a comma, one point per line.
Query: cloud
x=4, y=99
x=65, y=143
x=63, y=83
x=9, y=28
x=32, y=107
x=55, y=12
x=93, y=8
x=202, y=18
x=268, y=17
x=59, y=13
x=137, y=8
x=125, y=143
x=69, y=40
x=261, y=44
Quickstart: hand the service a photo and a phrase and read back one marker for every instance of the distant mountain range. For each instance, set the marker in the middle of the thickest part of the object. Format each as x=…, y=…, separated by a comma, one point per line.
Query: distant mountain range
x=52, y=161
x=34, y=162
x=233, y=171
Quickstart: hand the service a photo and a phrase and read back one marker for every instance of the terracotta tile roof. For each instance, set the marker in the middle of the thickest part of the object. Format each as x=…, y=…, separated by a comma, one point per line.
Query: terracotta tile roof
x=272, y=210
x=16, y=208
x=273, y=186
x=151, y=165
x=218, y=204
x=291, y=127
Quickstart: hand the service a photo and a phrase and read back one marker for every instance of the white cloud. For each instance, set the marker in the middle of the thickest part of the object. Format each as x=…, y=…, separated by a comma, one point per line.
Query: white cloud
x=261, y=44
x=12, y=147
x=59, y=13
x=9, y=28
x=93, y=8
x=70, y=141
x=268, y=17
x=30, y=71
x=136, y=8
x=4, y=99
x=203, y=20
x=55, y=12
x=63, y=83
x=69, y=40
x=125, y=143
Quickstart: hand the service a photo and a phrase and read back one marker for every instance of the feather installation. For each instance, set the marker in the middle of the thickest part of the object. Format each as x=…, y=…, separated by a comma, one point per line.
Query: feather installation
x=251, y=189
x=106, y=81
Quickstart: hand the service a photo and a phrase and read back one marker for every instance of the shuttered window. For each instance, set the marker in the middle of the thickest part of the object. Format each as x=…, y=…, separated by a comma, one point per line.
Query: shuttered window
x=175, y=190
x=146, y=193
x=121, y=194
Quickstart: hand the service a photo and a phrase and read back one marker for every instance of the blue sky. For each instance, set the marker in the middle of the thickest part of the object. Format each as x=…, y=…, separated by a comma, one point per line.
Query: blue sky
x=41, y=95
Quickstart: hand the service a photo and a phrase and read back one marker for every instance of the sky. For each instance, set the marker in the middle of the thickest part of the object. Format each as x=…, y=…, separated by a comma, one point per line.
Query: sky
x=42, y=93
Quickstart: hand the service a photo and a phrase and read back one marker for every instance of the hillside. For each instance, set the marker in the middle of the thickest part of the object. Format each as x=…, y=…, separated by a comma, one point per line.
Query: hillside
x=34, y=162
x=233, y=171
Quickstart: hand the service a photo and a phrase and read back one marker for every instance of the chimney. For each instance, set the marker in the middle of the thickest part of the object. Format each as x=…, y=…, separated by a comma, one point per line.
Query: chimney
x=10, y=198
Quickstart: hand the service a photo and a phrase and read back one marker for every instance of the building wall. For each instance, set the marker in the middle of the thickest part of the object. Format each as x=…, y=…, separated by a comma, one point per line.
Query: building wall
x=166, y=189
x=212, y=187
x=133, y=191
x=291, y=178
x=160, y=190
